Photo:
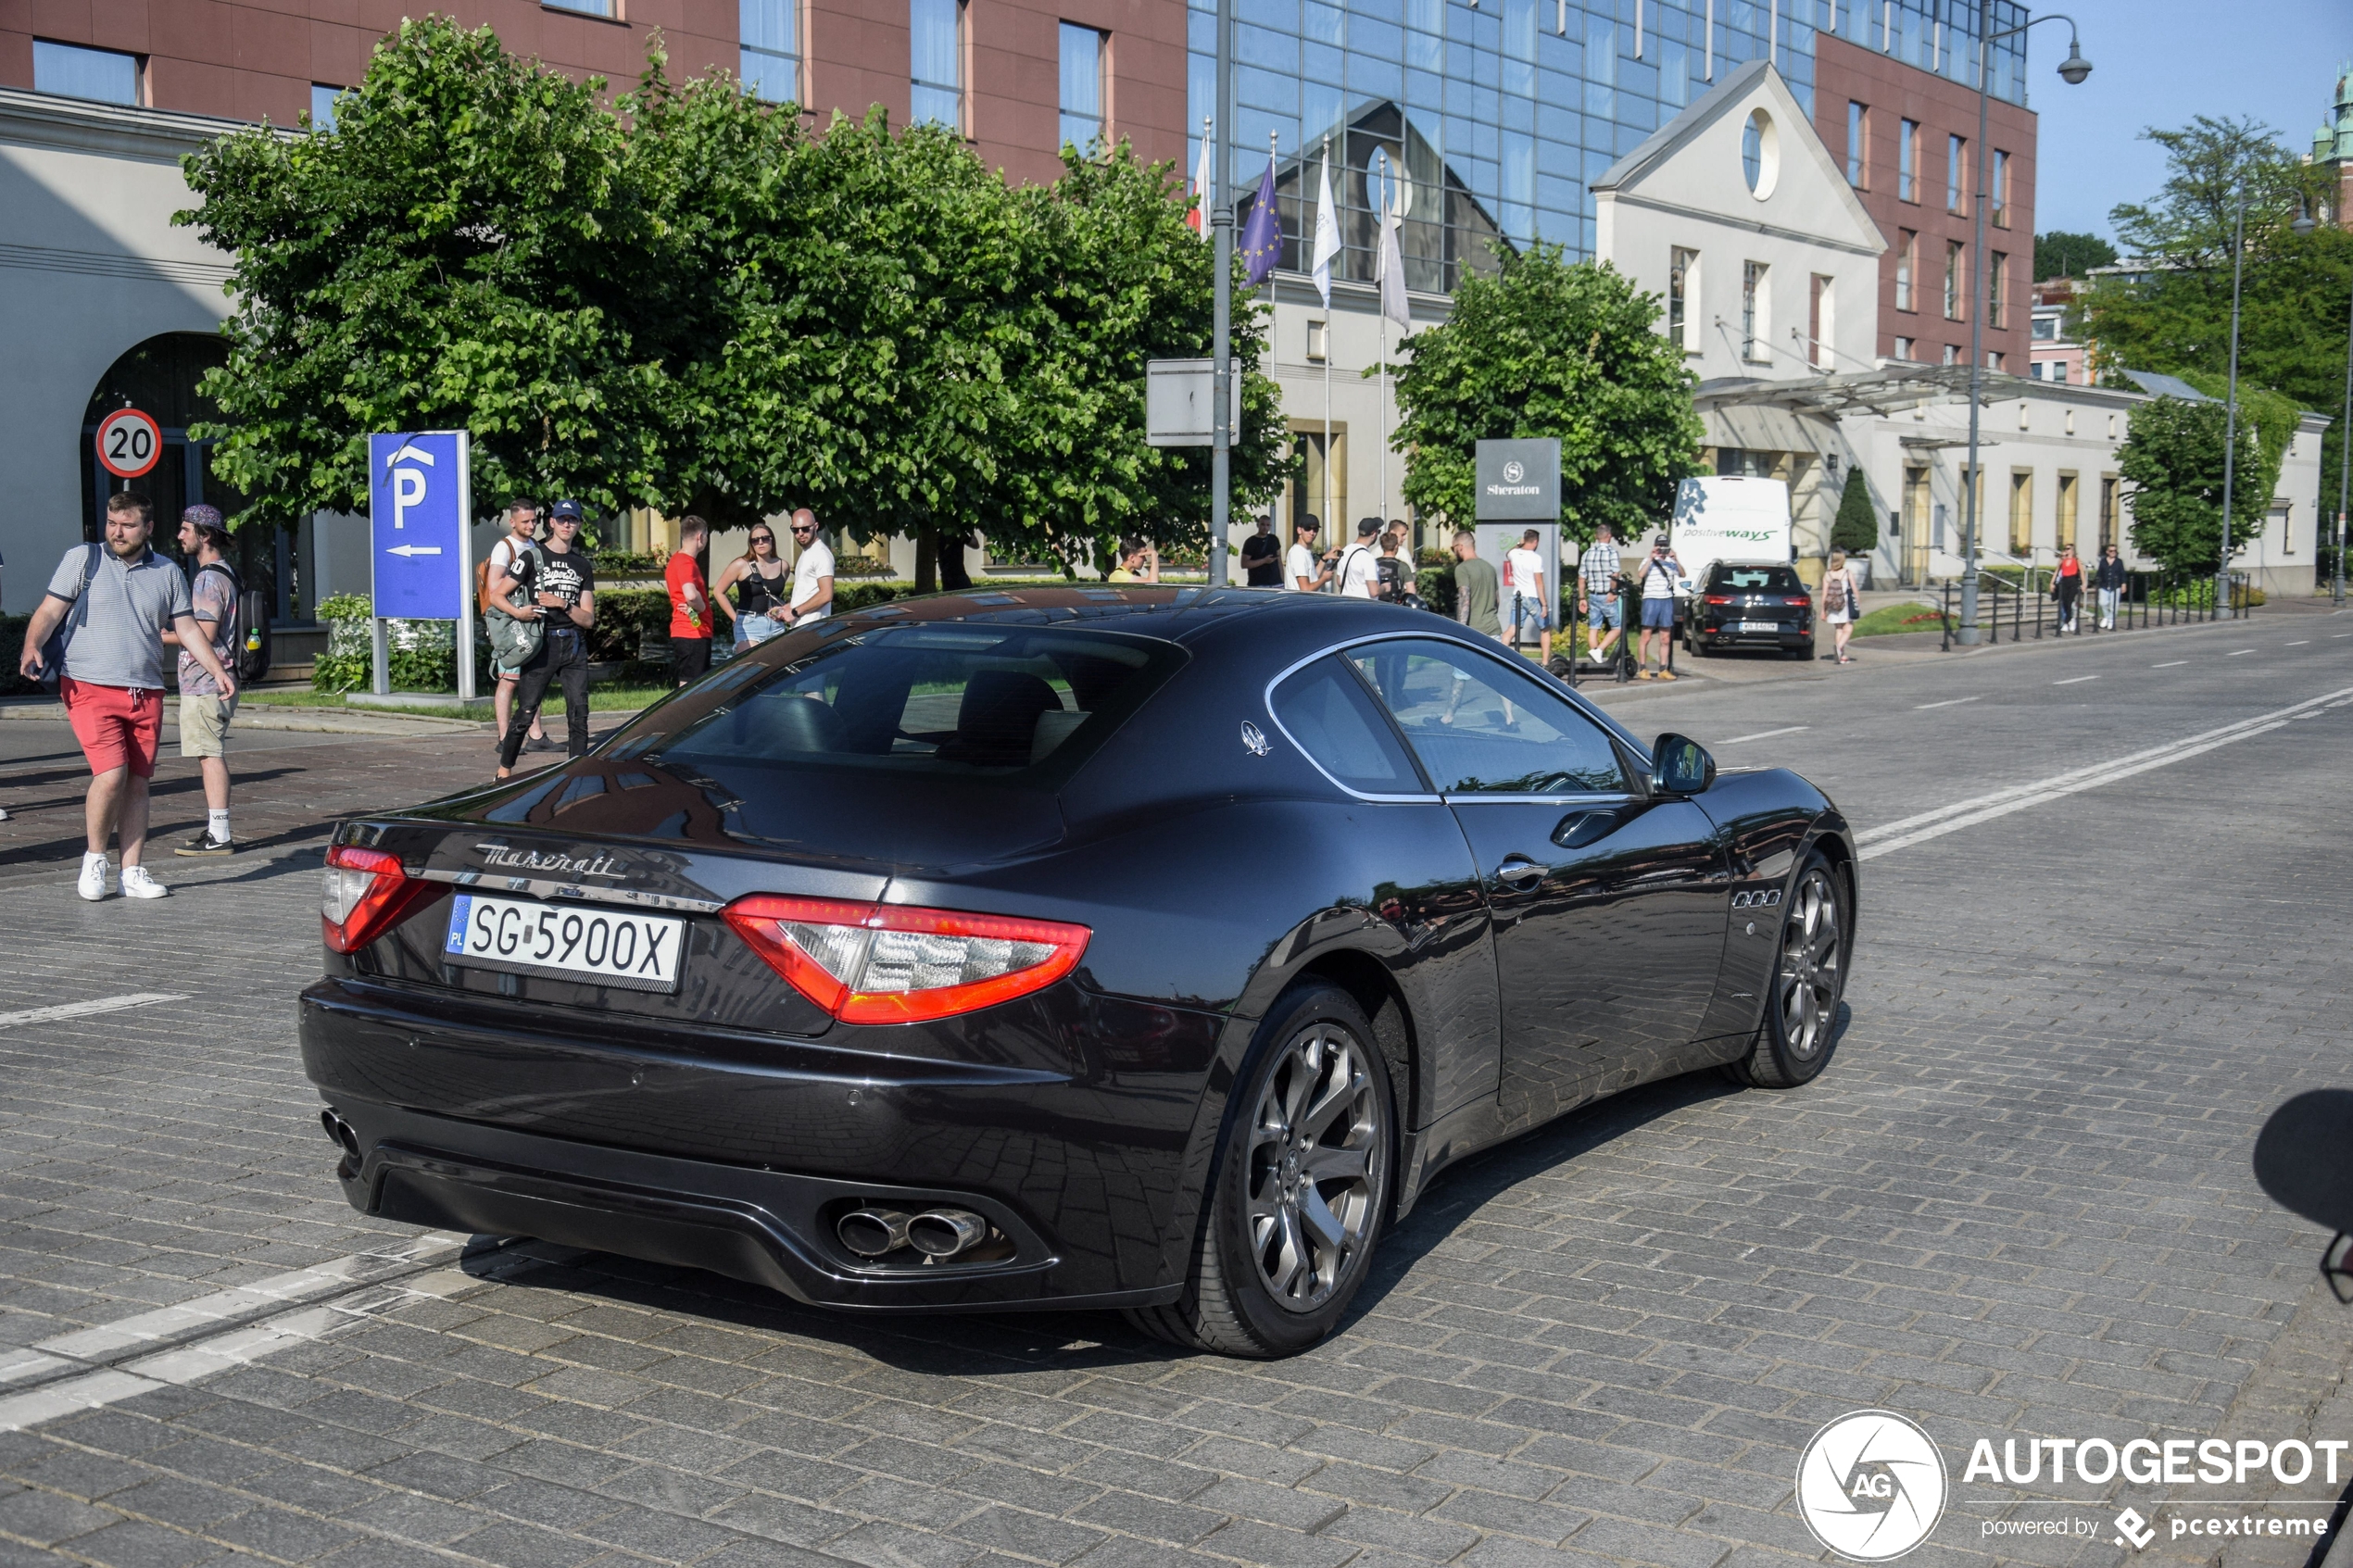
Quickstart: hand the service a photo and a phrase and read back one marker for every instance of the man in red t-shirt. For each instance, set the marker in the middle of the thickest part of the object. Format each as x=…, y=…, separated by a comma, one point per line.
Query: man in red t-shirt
x=689, y=603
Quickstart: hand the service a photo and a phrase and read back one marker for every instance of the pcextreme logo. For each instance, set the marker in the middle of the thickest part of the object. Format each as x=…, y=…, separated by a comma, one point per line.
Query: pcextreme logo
x=1870, y=1485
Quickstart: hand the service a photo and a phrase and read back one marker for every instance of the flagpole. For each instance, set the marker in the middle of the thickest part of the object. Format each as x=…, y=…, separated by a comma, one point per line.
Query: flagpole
x=1221, y=370
x=1321, y=201
x=1383, y=499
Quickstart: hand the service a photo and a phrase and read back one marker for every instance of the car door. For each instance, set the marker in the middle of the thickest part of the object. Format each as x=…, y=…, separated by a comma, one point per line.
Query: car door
x=1608, y=902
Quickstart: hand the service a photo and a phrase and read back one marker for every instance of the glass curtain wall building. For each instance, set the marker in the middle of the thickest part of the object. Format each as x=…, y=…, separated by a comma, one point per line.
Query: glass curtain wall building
x=1500, y=114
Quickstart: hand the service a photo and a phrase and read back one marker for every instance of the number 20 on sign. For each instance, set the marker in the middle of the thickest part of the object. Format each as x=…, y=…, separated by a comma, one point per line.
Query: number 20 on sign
x=129, y=443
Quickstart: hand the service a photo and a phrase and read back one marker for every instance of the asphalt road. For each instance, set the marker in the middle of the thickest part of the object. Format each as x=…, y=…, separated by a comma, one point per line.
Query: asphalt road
x=2102, y=923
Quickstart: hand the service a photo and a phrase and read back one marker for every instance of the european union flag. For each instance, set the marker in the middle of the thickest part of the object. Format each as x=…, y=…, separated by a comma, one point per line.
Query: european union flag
x=1262, y=231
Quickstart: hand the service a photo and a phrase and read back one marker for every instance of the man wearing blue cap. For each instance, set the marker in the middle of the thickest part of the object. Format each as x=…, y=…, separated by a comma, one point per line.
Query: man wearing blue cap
x=561, y=584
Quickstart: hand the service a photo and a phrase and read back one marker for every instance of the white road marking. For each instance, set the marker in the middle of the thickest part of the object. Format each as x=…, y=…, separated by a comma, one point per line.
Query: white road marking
x=1918, y=829
x=2297, y=644
x=83, y=1010
x=345, y=1277
x=2235, y=652
x=1949, y=702
x=1766, y=735
x=2169, y=664
x=2075, y=681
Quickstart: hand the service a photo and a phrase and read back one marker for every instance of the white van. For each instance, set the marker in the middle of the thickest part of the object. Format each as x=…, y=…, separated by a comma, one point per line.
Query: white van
x=1728, y=518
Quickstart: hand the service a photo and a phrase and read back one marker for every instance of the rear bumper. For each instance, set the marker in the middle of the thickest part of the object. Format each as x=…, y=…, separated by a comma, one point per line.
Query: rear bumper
x=738, y=1153
x=1716, y=637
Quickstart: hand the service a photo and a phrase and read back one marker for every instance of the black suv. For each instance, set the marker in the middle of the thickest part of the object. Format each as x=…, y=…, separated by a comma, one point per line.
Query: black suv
x=1752, y=607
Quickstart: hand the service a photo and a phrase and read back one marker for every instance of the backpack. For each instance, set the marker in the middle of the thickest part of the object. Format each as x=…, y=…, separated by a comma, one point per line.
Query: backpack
x=248, y=628
x=53, y=652
x=1834, y=594
x=513, y=641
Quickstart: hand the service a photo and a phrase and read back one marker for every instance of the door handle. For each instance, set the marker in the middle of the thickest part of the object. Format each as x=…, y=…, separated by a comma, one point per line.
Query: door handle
x=1519, y=871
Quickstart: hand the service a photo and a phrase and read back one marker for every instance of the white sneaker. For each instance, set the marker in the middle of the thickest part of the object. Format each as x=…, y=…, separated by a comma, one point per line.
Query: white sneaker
x=137, y=883
x=93, y=885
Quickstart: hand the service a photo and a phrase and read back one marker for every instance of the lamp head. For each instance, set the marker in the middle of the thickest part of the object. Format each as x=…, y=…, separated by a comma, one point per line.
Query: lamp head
x=2075, y=68
x=2303, y=224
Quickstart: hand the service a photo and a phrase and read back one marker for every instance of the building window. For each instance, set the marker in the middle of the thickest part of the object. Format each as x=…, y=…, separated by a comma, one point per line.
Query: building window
x=322, y=106
x=71, y=71
x=1952, y=353
x=2001, y=189
x=1956, y=172
x=1907, y=161
x=1904, y=348
x=1822, y=322
x=1955, y=270
x=2066, y=511
x=771, y=67
x=1997, y=309
x=1082, y=86
x=1755, y=310
x=2107, y=510
x=2021, y=510
x=936, y=52
x=2046, y=329
x=1682, y=279
x=591, y=7
x=1320, y=342
x=2058, y=374
x=1858, y=127
x=1908, y=261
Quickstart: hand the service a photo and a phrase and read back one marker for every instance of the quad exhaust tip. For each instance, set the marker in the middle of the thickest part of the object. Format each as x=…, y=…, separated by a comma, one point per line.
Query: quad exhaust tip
x=935, y=1233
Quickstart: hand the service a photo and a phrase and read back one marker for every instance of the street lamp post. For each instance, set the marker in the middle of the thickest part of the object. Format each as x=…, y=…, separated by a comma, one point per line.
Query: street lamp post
x=1221, y=228
x=2230, y=401
x=2344, y=460
x=2072, y=71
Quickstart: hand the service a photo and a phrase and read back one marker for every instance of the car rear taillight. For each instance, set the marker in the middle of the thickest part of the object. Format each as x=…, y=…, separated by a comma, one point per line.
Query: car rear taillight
x=1802, y=601
x=366, y=894
x=1719, y=598
x=892, y=963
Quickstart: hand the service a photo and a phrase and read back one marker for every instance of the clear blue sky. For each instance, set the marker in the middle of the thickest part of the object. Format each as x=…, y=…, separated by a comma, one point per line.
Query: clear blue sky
x=2158, y=62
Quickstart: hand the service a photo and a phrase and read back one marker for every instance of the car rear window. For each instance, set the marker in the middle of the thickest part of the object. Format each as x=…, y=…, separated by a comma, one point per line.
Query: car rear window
x=1755, y=580
x=952, y=699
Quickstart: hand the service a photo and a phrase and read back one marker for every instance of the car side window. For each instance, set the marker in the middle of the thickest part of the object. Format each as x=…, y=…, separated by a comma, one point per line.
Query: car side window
x=1324, y=708
x=1480, y=729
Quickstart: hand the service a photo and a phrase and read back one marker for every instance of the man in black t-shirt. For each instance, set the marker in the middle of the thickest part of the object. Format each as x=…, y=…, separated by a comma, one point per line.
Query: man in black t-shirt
x=561, y=584
x=1263, y=557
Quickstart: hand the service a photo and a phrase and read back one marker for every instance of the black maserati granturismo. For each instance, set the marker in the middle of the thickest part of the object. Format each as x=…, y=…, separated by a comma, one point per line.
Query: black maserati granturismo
x=1140, y=948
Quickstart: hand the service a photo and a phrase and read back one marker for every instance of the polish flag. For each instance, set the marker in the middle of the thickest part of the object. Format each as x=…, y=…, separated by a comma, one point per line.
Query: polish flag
x=1197, y=217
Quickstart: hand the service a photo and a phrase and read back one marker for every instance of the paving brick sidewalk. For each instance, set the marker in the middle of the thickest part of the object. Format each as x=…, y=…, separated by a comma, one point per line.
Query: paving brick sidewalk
x=2018, y=1205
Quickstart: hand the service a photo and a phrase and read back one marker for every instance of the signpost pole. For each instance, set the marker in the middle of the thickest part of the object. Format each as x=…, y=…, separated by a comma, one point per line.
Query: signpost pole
x=465, y=568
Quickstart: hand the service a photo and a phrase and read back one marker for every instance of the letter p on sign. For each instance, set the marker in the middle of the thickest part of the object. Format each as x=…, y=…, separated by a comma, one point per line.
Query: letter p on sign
x=408, y=490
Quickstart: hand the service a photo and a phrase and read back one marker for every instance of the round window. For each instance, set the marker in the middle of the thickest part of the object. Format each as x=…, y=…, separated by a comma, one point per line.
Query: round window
x=1760, y=153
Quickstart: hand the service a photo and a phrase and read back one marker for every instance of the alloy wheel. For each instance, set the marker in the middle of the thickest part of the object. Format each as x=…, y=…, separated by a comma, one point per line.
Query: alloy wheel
x=1812, y=954
x=1316, y=1147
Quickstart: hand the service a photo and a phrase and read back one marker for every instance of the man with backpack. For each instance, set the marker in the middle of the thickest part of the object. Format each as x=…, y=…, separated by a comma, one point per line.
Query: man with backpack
x=218, y=601
x=499, y=577
x=107, y=605
x=560, y=583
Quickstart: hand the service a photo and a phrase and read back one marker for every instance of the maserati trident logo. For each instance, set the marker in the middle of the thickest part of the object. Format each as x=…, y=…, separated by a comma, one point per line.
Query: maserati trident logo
x=1870, y=1485
x=1254, y=739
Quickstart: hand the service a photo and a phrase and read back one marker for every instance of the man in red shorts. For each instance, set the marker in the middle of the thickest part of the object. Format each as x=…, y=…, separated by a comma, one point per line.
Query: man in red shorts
x=115, y=599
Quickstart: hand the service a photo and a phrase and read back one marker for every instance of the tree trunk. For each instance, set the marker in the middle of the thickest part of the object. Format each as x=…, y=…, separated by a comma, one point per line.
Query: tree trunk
x=926, y=559
x=952, y=575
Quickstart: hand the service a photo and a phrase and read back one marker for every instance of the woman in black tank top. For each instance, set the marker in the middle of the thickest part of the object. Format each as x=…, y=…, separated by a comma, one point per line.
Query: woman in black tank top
x=757, y=576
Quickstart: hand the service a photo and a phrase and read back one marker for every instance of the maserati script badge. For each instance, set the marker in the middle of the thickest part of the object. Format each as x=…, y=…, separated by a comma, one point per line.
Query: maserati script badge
x=1253, y=740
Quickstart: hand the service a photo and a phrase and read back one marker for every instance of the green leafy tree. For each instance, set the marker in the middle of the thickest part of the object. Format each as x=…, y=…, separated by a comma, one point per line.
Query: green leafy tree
x=1855, y=529
x=2062, y=255
x=2172, y=462
x=1548, y=347
x=2175, y=316
x=464, y=250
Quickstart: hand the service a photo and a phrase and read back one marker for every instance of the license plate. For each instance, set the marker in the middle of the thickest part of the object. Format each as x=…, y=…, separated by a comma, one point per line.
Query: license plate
x=1758, y=626
x=606, y=947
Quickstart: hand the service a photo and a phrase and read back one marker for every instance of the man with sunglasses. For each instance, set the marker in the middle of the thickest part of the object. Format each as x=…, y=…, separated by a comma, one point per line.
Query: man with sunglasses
x=812, y=572
x=561, y=584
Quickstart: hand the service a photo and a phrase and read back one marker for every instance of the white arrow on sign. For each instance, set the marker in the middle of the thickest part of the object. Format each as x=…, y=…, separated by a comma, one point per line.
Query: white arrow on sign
x=411, y=453
x=414, y=550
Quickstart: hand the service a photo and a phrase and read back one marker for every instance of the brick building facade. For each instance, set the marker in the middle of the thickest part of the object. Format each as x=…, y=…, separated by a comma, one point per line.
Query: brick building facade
x=1895, y=127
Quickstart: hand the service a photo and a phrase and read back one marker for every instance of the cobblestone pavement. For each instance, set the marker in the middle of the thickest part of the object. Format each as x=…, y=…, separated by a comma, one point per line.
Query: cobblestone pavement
x=2016, y=1206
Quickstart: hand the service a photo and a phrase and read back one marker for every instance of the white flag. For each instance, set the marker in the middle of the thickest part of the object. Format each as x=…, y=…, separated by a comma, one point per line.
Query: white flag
x=1392, y=275
x=1327, y=231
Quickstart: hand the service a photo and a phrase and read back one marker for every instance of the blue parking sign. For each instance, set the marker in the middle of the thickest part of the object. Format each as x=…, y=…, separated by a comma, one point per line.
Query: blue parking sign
x=419, y=506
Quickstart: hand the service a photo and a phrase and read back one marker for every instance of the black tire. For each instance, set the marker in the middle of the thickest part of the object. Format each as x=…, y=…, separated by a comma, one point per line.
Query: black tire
x=1799, y=1030
x=1251, y=1293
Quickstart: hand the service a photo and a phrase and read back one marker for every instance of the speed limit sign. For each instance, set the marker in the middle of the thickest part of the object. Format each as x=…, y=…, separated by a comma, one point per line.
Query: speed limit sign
x=129, y=443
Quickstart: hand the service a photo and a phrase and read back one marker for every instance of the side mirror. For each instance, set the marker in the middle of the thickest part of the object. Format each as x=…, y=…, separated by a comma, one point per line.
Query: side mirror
x=1681, y=766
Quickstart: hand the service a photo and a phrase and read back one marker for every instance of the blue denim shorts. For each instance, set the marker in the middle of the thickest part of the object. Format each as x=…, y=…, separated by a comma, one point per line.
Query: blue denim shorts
x=1605, y=612
x=1658, y=614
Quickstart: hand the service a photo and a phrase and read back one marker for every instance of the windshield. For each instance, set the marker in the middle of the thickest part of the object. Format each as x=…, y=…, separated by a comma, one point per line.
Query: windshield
x=1755, y=580
x=948, y=699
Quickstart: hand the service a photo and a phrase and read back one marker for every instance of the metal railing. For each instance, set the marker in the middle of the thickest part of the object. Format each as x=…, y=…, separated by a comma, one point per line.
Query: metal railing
x=2146, y=599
